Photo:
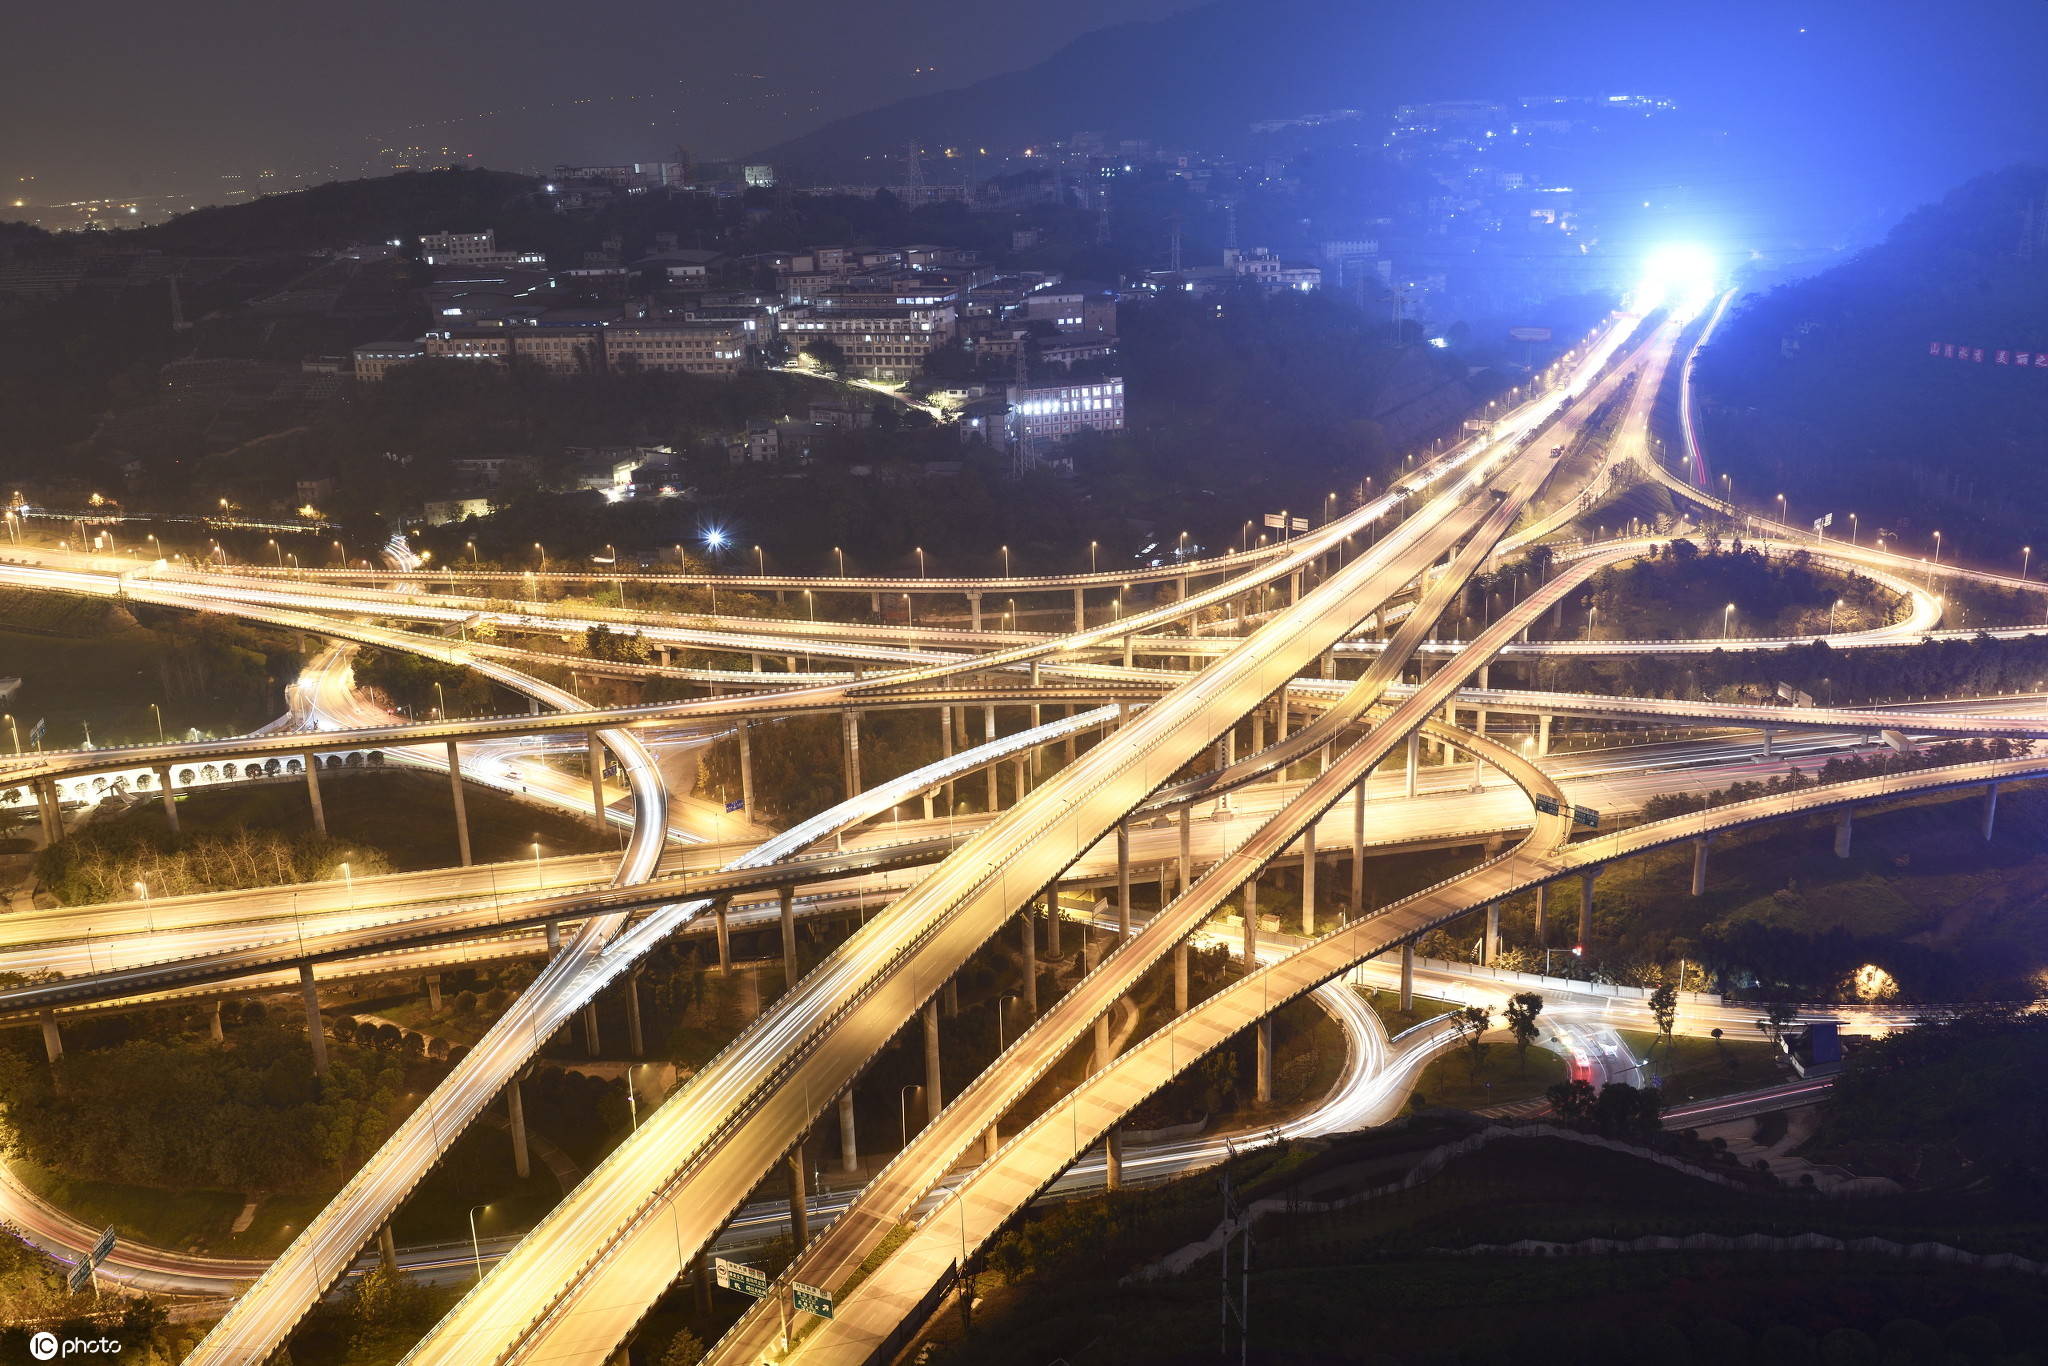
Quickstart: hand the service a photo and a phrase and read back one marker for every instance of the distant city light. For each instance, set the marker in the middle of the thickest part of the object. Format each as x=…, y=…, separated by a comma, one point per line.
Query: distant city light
x=715, y=539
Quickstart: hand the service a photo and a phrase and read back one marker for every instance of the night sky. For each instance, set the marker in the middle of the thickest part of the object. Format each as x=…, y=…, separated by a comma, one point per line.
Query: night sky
x=132, y=96
x=1843, y=113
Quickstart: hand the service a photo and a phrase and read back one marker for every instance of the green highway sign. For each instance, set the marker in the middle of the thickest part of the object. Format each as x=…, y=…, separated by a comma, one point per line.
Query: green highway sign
x=105, y=1245
x=739, y=1276
x=811, y=1300
x=1546, y=804
x=80, y=1277
x=1585, y=815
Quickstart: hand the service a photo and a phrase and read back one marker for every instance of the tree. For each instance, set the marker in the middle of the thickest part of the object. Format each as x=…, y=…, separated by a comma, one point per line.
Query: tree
x=1777, y=1014
x=684, y=1349
x=1572, y=1101
x=1625, y=1111
x=1470, y=1026
x=827, y=353
x=1664, y=1008
x=1521, y=1013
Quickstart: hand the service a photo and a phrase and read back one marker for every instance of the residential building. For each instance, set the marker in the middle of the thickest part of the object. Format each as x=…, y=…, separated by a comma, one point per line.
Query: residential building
x=677, y=346
x=1074, y=306
x=373, y=360
x=880, y=343
x=1055, y=412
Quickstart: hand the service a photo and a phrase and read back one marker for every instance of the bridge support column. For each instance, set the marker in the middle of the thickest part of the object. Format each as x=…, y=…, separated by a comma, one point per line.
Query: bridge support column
x=1180, y=978
x=1080, y=609
x=1543, y=737
x=387, y=1248
x=1100, y=1057
x=1263, y=1092
x=50, y=809
x=1700, y=848
x=946, y=749
x=163, y=776
x=785, y=898
x=1052, y=923
x=1769, y=735
x=53, y=1040
x=1251, y=924
x=1541, y=925
x=1414, y=759
x=1280, y=715
x=1407, y=978
x=1308, y=880
x=315, y=1033
x=1845, y=826
x=1123, y=881
x=721, y=908
x=1990, y=808
x=988, y=732
x=932, y=1103
x=312, y=762
x=849, y=742
x=1258, y=729
x=515, y=1113
x=849, y=1140
x=1113, y=1159
x=1586, y=906
x=949, y=998
x=461, y=810
x=700, y=1277
x=1358, y=847
x=213, y=1023
x=434, y=992
x=1030, y=962
x=1019, y=777
x=744, y=730
x=636, y=1039
x=1491, y=949
x=591, y=1042
x=974, y=611
x=597, y=780
x=799, y=1204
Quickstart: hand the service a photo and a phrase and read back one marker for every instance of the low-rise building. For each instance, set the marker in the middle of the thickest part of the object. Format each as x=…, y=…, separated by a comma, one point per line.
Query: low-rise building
x=1074, y=306
x=375, y=359
x=676, y=346
x=1052, y=413
x=880, y=343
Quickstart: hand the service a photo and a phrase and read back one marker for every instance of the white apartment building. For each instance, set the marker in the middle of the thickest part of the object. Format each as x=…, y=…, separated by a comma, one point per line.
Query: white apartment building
x=1055, y=412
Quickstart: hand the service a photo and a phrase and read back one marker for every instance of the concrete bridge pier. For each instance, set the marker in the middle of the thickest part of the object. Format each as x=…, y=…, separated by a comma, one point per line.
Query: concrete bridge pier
x=932, y=1095
x=1990, y=808
x=1080, y=609
x=1541, y=920
x=1407, y=978
x=597, y=780
x=1251, y=924
x=461, y=809
x=1030, y=993
x=743, y=733
x=785, y=897
x=1492, y=946
x=315, y=1032
x=591, y=1042
x=974, y=611
x=849, y=1141
x=946, y=749
x=1263, y=1095
x=53, y=1039
x=721, y=908
x=1052, y=923
x=849, y=743
x=1700, y=848
x=312, y=763
x=636, y=1040
x=799, y=1204
x=1358, y=848
x=1123, y=881
x=515, y=1112
x=1113, y=1159
x=1308, y=880
x=1414, y=759
x=988, y=733
x=1845, y=828
x=1543, y=736
x=1586, y=905
x=163, y=777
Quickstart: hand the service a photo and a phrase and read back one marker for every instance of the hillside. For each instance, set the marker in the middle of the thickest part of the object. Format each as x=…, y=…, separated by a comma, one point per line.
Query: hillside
x=1786, y=122
x=1825, y=390
x=344, y=211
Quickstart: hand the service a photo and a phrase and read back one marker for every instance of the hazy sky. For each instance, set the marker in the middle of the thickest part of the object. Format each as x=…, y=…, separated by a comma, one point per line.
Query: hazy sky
x=126, y=96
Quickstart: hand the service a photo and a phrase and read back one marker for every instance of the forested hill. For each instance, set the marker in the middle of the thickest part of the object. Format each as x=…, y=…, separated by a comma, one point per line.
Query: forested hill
x=1826, y=390
x=343, y=212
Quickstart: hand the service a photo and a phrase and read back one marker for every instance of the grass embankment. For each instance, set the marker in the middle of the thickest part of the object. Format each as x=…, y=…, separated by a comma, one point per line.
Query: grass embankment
x=1501, y=1078
x=1689, y=1069
x=399, y=819
x=1371, y=1283
x=98, y=664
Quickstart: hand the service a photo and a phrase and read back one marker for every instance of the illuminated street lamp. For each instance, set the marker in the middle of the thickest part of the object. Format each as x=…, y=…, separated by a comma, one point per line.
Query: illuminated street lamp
x=277, y=551
x=760, y=562
x=1006, y=561
x=1726, y=613
x=1091, y=557
x=2026, y=556
x=1937, y=547
x=543, y=556
x=842, y=560
x=476, y=1248
x=920, y=561
x=1853, y=528
x=537, y=881
x=159, y=723
x=1832, y=607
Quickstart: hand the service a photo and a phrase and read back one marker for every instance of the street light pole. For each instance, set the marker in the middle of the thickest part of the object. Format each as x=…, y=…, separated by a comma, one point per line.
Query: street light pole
x=152, y=706
x=476, y=1251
